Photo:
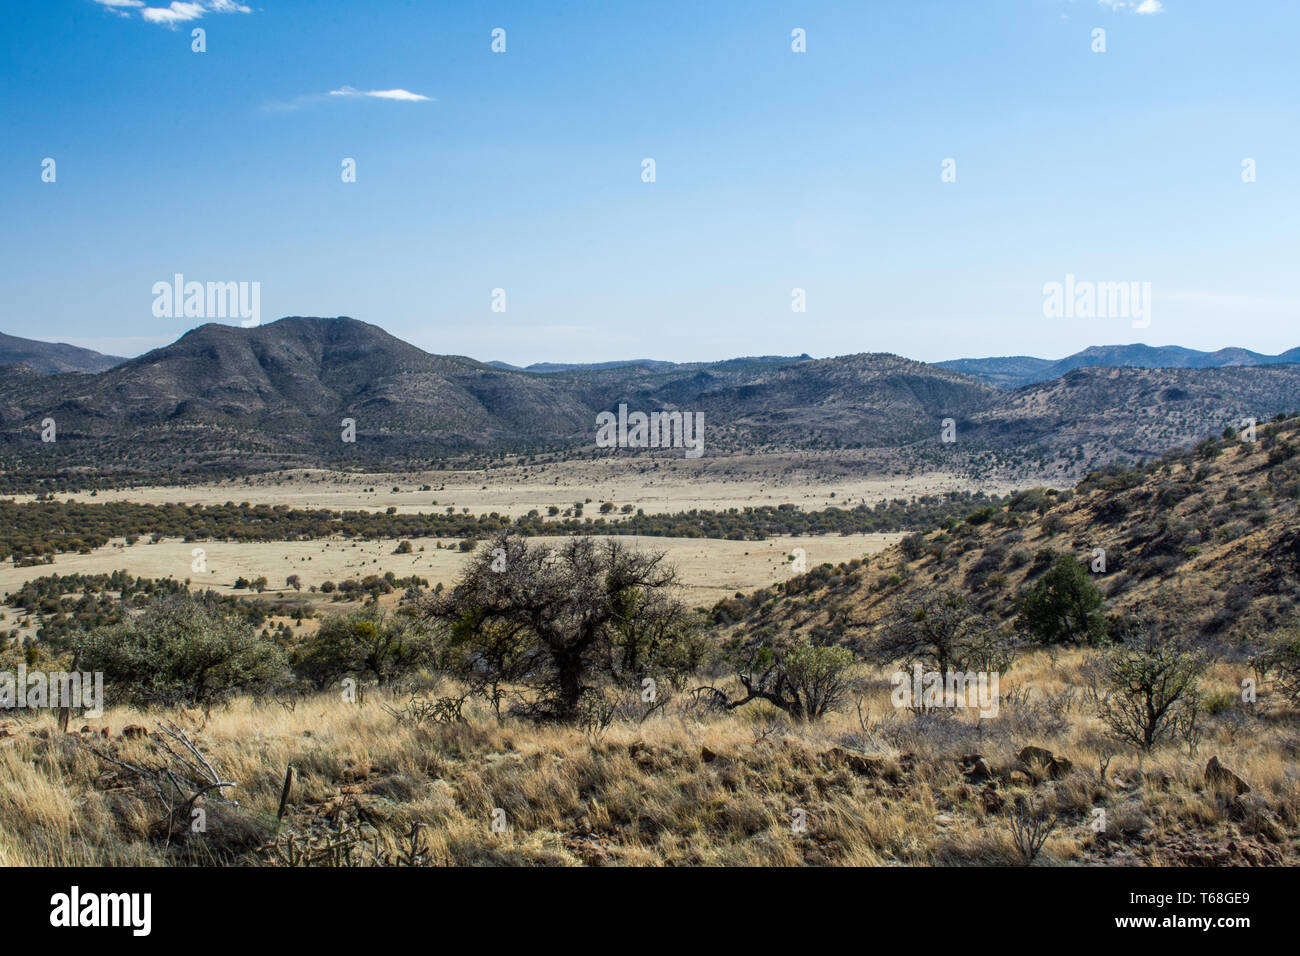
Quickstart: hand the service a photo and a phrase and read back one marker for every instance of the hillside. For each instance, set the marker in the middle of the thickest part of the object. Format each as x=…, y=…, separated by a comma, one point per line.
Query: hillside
x=280, y=391
x=1006, y=371
x=52, y=357
x=1098, y=414
x=1206, y=539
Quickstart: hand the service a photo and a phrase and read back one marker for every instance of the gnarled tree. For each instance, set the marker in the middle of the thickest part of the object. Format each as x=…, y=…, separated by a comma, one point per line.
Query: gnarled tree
x=565, y=621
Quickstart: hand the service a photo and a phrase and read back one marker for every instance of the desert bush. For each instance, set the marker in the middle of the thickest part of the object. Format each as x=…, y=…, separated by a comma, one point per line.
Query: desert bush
x=180, y=651
x=1030, y=826
x=1053, y=524
x=804, y=680
x=366, y=643
x=1280, y=660
x=942, y=632
x=818, y=676
x=1140, y=686
x=913, y=546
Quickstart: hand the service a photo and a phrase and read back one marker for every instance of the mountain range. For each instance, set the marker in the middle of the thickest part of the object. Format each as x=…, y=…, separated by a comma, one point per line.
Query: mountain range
x=1011, y=371
x=1016, y=370
x=233, y=398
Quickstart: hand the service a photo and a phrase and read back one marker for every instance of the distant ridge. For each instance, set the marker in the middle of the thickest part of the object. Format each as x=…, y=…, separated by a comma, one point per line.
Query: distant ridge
x=53, y=357
x=1017, y=370
x=286, y=393
x=579, y=366
x=546, y=367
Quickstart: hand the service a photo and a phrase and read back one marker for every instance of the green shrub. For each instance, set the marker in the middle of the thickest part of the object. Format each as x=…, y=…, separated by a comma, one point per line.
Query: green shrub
x=180, y=651
x=363, y=643
x=1063, y=606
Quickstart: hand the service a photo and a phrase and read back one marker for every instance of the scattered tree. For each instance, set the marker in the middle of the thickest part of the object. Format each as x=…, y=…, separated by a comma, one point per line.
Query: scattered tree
x=564, y=621
x=1063, y=606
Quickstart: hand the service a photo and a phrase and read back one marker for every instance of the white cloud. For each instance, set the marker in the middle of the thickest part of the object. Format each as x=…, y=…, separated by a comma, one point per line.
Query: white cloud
x=1141, y=7
x=176, y=13
x=179, y=11
x=343, y=92
x=406, y=96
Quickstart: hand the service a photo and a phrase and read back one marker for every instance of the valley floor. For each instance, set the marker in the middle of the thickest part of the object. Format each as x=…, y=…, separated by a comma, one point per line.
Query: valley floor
x=709, y=568
x=658, y=486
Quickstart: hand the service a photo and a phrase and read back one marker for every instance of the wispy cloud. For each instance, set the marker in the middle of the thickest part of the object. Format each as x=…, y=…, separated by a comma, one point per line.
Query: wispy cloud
x=1140, y=7
x=120, y=8
x=406, y=96
x=344, y=93
x=176, y=12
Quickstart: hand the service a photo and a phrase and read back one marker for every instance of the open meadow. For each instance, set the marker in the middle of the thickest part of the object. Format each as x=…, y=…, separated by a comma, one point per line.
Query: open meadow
x=656, y=485
x=710, y=568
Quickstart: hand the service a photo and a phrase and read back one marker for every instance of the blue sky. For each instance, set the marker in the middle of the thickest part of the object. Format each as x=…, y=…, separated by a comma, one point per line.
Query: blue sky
x=775, y=170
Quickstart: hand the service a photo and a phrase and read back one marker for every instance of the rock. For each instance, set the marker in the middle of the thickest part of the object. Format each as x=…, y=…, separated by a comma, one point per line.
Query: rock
x=858, y=763
x=944, y=820
x=707, y=755
x=356, y=771
x=1205, y=852
x=1219, y=777
x=375, y=810
x=1253, y=811
x=1039, y=758
x=1059, y=767
x=132, y=731
x=1033, y=755
x=1129, y=781
x=992, y=800
x=979, y=771
x=1021, y=779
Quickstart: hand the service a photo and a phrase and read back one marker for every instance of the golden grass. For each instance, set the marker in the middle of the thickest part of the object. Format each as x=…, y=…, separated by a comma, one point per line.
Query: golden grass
x=642, y=794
